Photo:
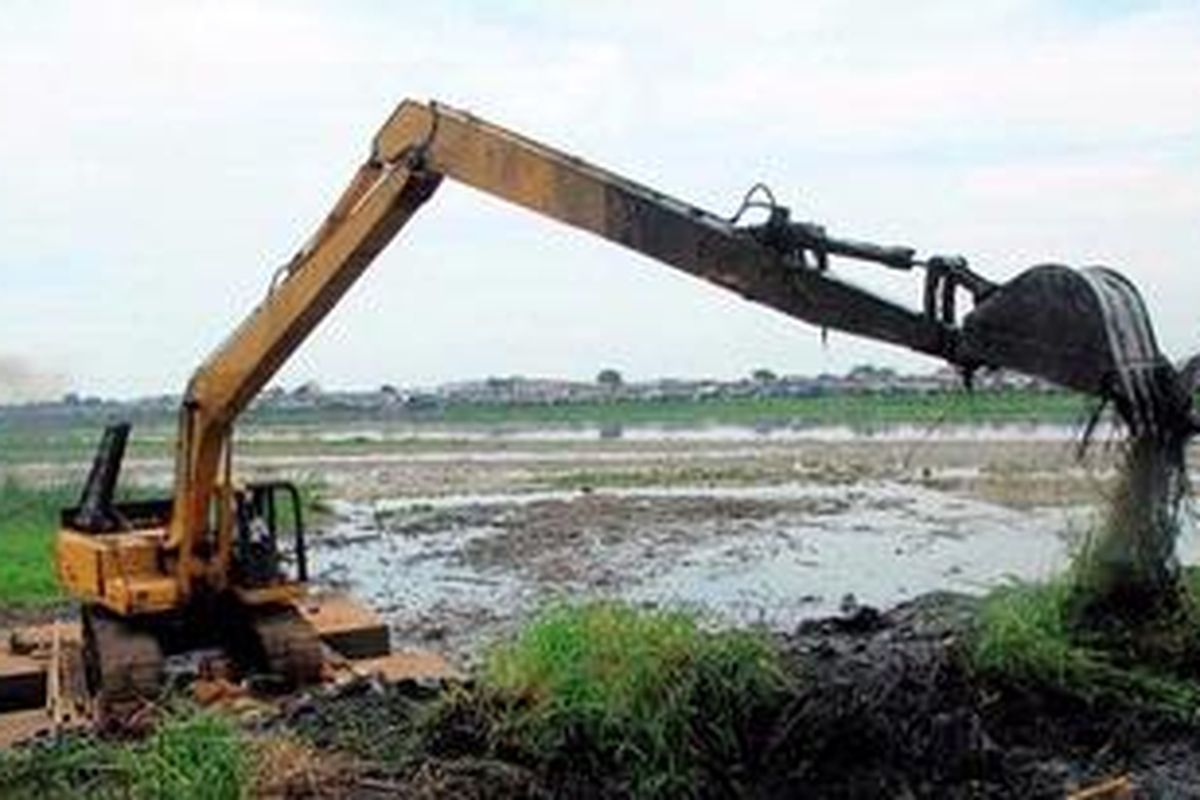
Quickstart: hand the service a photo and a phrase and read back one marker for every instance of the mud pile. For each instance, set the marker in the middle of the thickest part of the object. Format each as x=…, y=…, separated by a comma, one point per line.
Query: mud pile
x=887, y=705
x=881, y=705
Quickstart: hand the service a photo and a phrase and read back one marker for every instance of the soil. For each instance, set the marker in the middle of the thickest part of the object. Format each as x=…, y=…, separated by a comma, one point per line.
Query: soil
x=882, y=705
x=887, y=707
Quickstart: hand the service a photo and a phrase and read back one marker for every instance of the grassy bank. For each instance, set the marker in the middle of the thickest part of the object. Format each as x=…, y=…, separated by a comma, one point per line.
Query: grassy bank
x=600, y=696
x=28, y=522
x=191, y=754
x=646, y=695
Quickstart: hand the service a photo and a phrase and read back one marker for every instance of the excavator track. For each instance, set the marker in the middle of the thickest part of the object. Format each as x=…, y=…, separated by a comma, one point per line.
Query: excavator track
x=288, y=645
x=121, y=661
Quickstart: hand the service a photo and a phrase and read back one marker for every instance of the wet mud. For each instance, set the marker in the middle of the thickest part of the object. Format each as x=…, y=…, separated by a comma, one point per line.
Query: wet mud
x=456, y=548
x=880, y=704
x=461, y=571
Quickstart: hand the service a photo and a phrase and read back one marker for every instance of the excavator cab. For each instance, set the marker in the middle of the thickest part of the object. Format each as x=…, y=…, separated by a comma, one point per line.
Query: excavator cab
x=268, y=547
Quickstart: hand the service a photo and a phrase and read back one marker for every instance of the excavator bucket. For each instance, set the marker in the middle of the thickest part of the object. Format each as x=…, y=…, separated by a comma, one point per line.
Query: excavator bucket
x=1085, y=329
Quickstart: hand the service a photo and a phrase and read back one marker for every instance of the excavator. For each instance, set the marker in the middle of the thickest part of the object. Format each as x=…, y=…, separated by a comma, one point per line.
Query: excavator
x=222, y=563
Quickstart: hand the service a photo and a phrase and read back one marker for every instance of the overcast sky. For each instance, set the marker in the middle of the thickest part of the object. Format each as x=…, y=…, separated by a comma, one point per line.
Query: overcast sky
x=159, y=160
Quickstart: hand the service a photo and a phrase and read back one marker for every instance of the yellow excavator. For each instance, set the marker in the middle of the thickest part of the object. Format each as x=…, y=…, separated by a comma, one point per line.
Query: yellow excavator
x=222, y=563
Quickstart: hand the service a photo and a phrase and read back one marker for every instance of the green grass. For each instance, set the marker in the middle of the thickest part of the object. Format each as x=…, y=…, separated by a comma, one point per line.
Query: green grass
x=1027, y=636
x=74, y=439
x=646, y=695
x=28, y=521
x=842, y=409
x=192, y=754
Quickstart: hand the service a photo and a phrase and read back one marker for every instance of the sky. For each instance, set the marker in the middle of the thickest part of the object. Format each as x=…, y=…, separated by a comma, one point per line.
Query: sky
x=159, y=160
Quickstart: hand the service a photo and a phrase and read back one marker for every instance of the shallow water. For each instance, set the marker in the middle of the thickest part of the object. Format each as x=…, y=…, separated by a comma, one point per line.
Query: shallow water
x=771, y=555
x=783, y=432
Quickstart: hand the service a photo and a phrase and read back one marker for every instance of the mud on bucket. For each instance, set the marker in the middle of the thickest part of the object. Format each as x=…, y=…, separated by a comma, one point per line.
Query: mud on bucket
x=1085, y=329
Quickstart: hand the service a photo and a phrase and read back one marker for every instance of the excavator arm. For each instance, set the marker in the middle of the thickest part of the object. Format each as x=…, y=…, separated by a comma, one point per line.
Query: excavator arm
x=422, y=144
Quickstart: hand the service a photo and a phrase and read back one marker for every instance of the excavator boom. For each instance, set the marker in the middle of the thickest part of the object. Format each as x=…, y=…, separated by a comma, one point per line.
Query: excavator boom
x=208, y=561
x=419, y=146
x=423, y=143
x=222, y=562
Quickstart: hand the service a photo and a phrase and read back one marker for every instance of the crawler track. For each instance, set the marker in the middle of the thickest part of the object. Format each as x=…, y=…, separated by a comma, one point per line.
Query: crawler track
x=288, y=645
x=122, y=662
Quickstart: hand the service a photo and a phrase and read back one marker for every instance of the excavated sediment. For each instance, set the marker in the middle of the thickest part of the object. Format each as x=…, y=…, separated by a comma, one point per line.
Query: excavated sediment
x=881, y=704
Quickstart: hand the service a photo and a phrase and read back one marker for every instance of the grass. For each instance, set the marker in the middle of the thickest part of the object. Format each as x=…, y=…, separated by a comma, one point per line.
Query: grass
x=193, y=754
x=840, y=409
x=647, y=695
x=641, y=703
x=28, y=521
x=64, y=440
x=1027, y=635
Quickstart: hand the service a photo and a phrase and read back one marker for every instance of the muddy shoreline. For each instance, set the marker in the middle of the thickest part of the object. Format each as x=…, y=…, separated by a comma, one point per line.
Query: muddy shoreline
x=457, y=572
x=880, y=704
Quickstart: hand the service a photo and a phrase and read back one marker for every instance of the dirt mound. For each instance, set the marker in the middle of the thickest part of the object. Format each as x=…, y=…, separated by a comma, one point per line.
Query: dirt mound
x=879, y=705
x=886, y=705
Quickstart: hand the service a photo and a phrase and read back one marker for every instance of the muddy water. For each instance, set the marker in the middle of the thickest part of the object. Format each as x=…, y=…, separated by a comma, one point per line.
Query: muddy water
x=458, y=570
x=766, y=431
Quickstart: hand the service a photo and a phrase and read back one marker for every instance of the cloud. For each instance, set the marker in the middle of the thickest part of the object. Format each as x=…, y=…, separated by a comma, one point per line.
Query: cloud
x=169, y=155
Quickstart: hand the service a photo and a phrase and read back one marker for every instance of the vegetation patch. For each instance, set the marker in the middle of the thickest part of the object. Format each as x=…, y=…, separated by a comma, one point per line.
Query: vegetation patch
x=1030, y=636
x=192, y=754
x=28, y=522
x=866, y=409
x=648, y=695
x=602, y=699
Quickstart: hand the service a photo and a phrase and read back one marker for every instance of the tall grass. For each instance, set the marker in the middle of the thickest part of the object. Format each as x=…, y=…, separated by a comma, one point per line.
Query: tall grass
x=1028, y=635
x=28, y=521
x=647, y=695
x=195, y=755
